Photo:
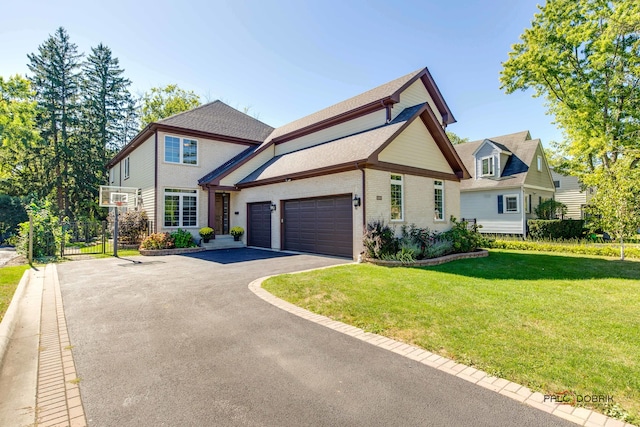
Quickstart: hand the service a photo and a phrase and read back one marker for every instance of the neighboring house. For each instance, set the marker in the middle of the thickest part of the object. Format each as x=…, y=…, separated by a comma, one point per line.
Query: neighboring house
x=570, y=192
x=310, y=185
x=510, y=178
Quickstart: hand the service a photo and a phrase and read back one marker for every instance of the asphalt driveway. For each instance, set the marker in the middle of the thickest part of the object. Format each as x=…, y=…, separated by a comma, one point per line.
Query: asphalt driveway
x=181, y=341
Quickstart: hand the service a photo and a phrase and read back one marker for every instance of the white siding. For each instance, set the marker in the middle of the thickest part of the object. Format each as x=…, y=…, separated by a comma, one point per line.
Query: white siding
x=418, y=200
x=415, y=147
x=341, y=183
x=570, y=194
x=359, y=124
x=483, y=205
x=414, y=95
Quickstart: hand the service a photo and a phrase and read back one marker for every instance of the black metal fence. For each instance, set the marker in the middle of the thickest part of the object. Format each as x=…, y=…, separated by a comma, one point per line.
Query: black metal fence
x=95, y=237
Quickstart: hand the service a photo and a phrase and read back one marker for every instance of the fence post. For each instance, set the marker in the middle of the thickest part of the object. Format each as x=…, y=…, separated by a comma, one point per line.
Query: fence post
x=30, y=238
x=104, y=237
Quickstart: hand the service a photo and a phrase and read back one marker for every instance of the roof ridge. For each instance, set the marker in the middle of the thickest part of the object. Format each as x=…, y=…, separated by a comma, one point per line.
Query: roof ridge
x=190, y=110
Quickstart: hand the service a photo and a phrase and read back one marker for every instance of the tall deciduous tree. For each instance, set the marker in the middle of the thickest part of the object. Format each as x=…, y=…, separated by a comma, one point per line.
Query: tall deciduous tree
x=161, y=102
x=20, y=163
x=56, y=80
x=583, y=57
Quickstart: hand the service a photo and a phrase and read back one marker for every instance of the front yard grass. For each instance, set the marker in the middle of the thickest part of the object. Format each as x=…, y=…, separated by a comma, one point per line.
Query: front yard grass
x=548, y=321
x=9, y=280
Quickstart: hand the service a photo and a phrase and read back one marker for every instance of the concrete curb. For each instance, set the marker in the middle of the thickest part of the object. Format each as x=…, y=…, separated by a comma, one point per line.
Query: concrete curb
x=8, y=324
x=520, y=393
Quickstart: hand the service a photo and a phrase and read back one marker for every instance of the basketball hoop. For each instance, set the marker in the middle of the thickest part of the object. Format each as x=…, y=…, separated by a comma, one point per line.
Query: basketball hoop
x=119, y=204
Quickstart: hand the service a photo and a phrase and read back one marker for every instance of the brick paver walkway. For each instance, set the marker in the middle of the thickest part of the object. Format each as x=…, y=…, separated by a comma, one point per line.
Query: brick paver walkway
x=58, y=400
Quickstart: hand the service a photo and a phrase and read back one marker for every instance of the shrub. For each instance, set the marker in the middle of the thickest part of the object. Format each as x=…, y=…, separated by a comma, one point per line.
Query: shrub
x=463, y=238
x=556, y=228
x=438, y=248
x=404, y=255
x=47, y=232
x=550, y=209
x=610, y=250
x=206, y=232
x=183, y=239
x=132, y=225
x=158, y=241
x=379, y=240
x=236, y=231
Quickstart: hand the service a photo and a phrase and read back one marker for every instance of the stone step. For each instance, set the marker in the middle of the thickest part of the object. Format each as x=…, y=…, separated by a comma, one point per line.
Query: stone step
x=223, y=242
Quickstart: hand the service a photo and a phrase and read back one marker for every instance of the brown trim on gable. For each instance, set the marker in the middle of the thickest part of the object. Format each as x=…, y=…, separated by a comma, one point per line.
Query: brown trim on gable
x=206, y=135
x=344, y=167
x=335, y=120
x=155, y=127
x=220, y=187
x=434, y=92
x=440, y=137
x=410, y=170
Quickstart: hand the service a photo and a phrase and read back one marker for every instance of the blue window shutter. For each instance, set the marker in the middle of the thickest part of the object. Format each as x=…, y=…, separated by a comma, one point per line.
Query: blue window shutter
x=500, y=204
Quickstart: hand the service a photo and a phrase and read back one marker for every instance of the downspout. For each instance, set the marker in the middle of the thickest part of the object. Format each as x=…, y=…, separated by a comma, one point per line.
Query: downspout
x=524, y=215
x=364, y=205
x=155, y=183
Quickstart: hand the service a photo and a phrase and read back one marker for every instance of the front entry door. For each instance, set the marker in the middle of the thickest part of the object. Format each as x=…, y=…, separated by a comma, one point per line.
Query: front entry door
x=222, y=213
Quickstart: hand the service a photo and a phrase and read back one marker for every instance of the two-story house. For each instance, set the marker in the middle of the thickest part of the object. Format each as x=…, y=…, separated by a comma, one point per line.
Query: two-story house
x=310, y=185
x=570, y=191
x=510, y=178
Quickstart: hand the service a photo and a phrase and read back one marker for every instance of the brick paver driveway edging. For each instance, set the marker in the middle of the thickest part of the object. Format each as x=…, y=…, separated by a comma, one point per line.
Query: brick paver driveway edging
x=181, y=340
x=520, y=393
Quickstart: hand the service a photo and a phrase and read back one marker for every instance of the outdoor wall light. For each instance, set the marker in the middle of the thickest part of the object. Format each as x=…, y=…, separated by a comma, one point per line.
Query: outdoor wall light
x=273, y=207
x=356, y=201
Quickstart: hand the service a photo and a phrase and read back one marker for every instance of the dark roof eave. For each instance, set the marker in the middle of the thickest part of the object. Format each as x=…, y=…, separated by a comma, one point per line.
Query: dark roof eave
x=140, y=137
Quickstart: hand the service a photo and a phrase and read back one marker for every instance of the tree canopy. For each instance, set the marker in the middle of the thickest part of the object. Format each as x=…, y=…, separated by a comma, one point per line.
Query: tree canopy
x=583, y=57
x=161, y=102
x=455, y=139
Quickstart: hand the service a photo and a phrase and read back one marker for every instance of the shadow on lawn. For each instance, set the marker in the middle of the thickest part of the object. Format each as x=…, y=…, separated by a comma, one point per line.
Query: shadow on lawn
x=533, y=266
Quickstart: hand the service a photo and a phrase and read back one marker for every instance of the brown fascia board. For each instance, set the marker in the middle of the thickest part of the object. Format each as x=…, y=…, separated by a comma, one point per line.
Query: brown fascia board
x=153, y=127
x=344, y=167
x=441, y=139
x=432, y=88
x=410, y=170
x=336, y=120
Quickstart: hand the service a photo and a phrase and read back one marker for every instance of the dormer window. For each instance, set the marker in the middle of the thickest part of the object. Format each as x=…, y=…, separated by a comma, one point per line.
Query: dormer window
x=487, y=166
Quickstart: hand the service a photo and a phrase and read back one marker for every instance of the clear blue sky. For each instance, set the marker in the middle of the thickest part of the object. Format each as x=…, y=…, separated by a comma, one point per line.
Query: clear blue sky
x=290, y=58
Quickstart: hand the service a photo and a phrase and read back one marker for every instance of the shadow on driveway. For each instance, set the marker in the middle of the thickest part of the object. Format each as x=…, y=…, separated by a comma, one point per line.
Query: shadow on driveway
x=231, y=256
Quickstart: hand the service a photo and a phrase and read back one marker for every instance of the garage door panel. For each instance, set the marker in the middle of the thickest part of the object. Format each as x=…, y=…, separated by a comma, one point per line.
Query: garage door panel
x=259, y=224
x=320, y=225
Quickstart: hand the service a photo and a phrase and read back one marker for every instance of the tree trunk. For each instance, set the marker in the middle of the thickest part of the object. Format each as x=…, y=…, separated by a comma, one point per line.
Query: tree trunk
x=621, y=248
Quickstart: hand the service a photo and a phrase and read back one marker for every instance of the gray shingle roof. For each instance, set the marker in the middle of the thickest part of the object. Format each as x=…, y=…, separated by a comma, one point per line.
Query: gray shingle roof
x=218, y=118
x=514, y=173
x=350, y=149
x=368, y=97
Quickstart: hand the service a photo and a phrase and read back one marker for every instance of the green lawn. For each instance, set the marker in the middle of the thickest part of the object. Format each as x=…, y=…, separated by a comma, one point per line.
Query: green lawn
x=9, y=279
x=549, y=321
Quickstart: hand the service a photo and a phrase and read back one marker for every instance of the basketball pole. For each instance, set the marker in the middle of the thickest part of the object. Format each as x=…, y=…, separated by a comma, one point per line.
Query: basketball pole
x=115, y=236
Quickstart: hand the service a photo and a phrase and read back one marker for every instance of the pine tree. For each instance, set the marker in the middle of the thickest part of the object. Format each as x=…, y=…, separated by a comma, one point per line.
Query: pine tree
x=56, y=80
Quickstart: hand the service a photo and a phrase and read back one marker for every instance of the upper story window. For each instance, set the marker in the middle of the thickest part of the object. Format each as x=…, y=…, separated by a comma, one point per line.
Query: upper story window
x=126, y=168
x=487, y=166
x=556, y=184
x=539, y=163
x=180, y=150
x=397, y=212
x=439, y=200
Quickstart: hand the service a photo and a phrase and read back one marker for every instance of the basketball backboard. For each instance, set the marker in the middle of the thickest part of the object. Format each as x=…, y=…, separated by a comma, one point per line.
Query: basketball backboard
x=113, y=196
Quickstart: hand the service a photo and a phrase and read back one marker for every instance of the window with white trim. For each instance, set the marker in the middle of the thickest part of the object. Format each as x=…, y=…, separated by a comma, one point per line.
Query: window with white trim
x=487, y=166
x=539, y=163
x=180, y=208
x=438, y=194
x=511, y=204
x=126, y=168
x=180, y=150
x=397, y=208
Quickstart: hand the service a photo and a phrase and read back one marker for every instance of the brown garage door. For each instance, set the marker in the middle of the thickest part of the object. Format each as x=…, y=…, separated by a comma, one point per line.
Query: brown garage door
x=259, y=224
x=320, y=225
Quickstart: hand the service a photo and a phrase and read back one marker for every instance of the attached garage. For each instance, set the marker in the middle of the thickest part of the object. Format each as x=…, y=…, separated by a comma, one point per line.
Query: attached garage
x=322, y=225
x=259, y=224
